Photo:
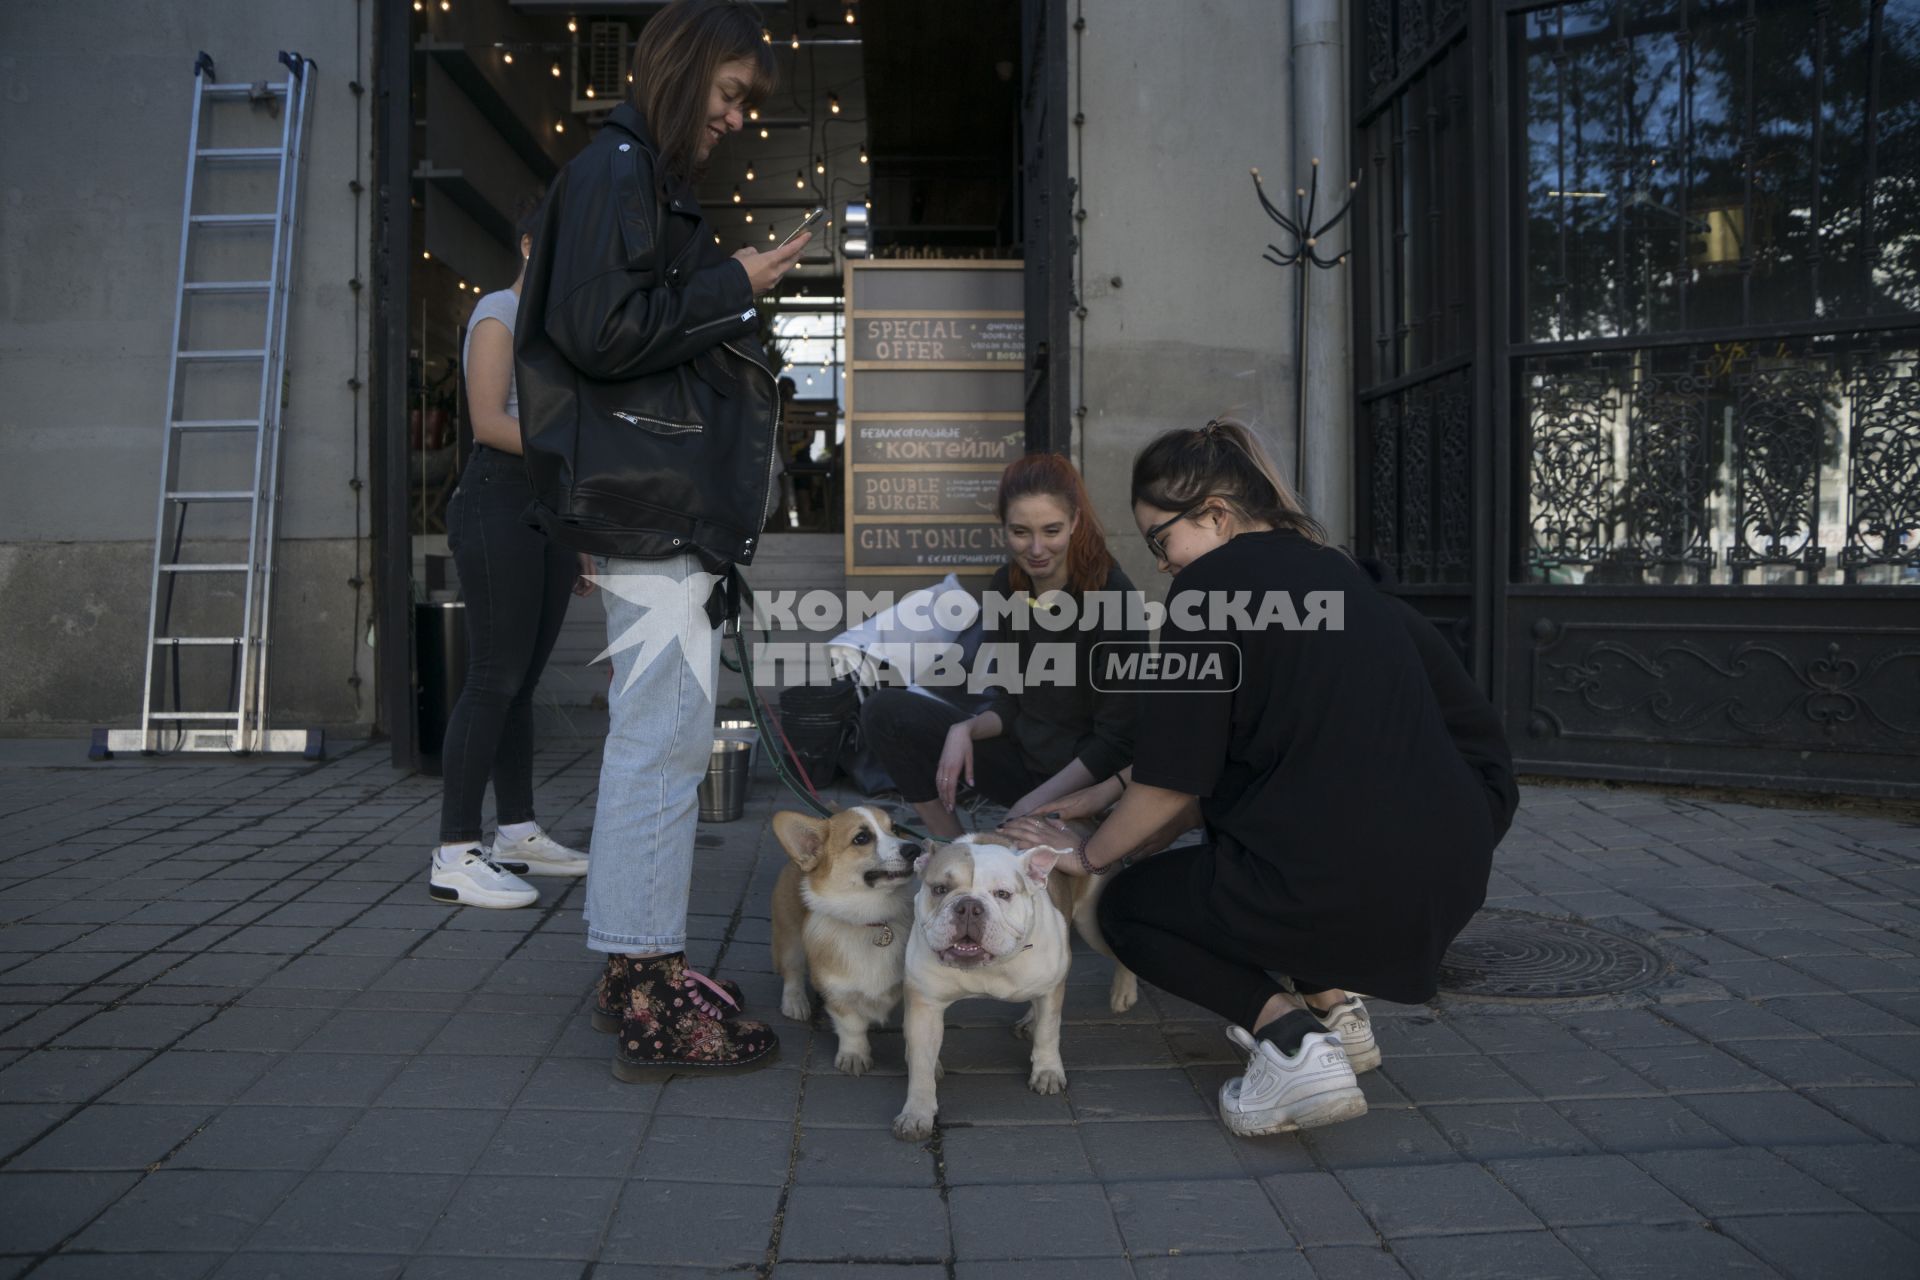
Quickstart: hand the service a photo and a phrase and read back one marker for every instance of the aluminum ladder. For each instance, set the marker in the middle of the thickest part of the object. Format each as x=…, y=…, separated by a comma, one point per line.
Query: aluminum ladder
x=203, y=452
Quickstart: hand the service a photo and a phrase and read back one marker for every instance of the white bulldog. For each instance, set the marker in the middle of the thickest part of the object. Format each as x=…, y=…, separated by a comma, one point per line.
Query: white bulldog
x=987, y=921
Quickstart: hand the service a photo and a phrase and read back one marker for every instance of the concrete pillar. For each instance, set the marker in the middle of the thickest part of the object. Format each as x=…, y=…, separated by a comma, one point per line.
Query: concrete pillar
x=1320, y=128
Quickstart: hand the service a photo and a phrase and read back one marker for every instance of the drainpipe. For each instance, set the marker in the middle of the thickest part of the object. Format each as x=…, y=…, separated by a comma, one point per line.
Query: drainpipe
x=1320, y=128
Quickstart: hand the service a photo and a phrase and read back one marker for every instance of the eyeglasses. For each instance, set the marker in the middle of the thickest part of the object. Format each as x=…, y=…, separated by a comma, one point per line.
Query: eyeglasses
x=1152, y=535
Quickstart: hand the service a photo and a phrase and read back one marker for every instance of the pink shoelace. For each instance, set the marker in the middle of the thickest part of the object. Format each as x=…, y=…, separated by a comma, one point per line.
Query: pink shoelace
x=696, y=980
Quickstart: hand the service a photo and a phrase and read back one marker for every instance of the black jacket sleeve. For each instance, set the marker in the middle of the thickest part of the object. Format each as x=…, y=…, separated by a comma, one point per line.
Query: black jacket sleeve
x=621, y=305
x=1108, y=747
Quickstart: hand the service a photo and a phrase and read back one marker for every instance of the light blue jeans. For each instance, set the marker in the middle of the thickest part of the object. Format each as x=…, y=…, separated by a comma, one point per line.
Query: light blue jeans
x=658, y=742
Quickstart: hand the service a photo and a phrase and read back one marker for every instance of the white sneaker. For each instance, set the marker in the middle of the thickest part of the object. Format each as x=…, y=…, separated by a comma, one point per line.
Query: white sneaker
x=1350, y=1020
x=540, y=855
x=1312, y=1087
x=475, y=881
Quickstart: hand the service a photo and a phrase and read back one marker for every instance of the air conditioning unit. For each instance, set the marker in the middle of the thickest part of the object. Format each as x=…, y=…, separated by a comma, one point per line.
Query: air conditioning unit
x=602, y=57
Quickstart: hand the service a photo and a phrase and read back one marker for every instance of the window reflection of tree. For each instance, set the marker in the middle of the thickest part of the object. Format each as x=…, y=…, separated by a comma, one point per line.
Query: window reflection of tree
x=1703, y=167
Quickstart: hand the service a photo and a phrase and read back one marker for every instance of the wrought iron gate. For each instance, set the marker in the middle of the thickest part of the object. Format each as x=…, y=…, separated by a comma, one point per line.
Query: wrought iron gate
x=1637, y=335
x=1047, y=235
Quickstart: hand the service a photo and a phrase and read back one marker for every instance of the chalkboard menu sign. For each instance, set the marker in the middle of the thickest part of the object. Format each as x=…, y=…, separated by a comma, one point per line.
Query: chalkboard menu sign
x=935, y=383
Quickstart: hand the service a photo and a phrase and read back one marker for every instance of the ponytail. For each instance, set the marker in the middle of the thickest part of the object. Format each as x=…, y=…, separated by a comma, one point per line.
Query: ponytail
x=1224, y=460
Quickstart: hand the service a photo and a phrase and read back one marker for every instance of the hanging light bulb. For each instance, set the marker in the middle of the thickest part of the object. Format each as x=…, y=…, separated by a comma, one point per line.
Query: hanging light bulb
x=589, y=91
x=425, y=256
x=559, y=127
x=863, y=153
x=463, y=286
x=749, y=217
x=850, y=17
x=796, y=42
x=749, y=173
x=833, y=103
x=770, y=230
x=753, y=113
x=446, y=5
x=418, y=5
x=507, y=58
x=573, y=28
x=763, y=131
x=800, y=180
x=766, y=36
x=556, y=71
x=716, y=239
x=736, y=195
x=819, y=164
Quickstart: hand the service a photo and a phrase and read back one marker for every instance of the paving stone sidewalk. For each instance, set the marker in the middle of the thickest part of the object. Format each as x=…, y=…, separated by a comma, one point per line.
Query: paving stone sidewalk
x=238, y=1039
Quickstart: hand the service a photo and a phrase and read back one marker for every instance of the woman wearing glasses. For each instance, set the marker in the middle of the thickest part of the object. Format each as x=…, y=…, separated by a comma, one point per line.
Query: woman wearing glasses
x=1352, y=779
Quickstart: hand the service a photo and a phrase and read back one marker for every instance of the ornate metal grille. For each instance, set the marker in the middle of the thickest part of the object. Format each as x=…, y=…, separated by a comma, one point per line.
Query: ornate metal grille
x=1787, y=461
x=1419, y=490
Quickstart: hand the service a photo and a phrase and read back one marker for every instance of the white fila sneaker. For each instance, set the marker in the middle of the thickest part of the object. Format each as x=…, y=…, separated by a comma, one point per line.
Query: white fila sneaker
x=1350, y=1021
x=1311, y=1087
x=474, y=881
x=540, y=854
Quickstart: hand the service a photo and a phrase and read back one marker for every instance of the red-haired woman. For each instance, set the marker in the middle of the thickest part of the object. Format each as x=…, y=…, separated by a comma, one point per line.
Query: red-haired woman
x=1035, y=741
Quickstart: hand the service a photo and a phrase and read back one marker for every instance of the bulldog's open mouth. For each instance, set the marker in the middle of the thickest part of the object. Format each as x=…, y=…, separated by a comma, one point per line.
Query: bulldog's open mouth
x=965, y=952
x=886, y=875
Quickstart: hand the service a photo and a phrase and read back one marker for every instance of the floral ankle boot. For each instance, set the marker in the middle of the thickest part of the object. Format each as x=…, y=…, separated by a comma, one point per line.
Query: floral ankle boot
x=667, y=1030
x=616, y=982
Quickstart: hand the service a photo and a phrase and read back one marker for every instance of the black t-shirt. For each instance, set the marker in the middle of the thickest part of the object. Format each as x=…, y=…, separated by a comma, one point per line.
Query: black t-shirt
x=1341, y=806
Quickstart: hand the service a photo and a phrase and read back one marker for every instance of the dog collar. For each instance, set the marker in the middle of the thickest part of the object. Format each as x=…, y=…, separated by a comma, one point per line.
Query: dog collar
x=885, y=936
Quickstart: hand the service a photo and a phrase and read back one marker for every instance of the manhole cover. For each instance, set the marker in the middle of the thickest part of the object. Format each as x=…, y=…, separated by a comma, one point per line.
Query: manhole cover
x=1517, y=955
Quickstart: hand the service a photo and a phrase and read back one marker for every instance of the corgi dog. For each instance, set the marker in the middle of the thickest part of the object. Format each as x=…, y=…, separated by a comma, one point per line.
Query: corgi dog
x=842, y=913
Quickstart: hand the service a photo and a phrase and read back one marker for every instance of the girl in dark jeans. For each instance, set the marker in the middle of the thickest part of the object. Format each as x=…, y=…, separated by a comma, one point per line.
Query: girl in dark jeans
x=515, y=582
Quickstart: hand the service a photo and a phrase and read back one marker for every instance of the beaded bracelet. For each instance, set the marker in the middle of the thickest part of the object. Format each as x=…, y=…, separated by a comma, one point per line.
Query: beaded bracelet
x=1088, y=867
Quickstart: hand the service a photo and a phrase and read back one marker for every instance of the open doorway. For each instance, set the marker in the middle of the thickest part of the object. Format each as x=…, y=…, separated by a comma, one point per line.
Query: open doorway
x=902, y=119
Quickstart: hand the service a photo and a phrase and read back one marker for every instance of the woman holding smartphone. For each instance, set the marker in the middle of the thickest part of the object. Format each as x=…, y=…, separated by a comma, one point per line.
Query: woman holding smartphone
x=649, y=420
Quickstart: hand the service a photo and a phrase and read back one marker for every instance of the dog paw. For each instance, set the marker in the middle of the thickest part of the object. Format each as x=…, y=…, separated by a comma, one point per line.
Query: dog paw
x=1124, y=993
x=854, y=1064
x=1047, y=1080
x=913, y=1126
x=795, y=1005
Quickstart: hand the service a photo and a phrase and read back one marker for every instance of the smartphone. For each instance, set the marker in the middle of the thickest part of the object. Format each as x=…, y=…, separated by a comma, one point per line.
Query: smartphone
x=814, y=215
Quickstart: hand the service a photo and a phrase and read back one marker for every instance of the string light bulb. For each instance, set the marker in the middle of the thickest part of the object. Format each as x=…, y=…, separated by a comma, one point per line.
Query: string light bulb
x=753, y=113
x=819, y=164
x=769, y=232
x=446, y=5
x=749, y=217
x=863, y=153
x=833, y=103
x=796, y=42
x=425, y=256
x=556, y=71
x=573, y=28
x=418, y=5
x=736, y=195
x=558, y=127
x=849, y=15
x=800, y=180
x=749, y=173
x=763, y=131
x=508, y=58
x=766, y=36
x=589, y=91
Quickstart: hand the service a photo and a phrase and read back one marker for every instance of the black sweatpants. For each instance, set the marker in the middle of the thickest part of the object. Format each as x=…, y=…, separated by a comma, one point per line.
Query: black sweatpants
x=1157, y=918
x=909, y=730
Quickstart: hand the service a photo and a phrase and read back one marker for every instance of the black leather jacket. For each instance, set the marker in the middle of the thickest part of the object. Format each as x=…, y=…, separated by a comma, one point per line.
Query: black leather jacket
x=648, y=415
